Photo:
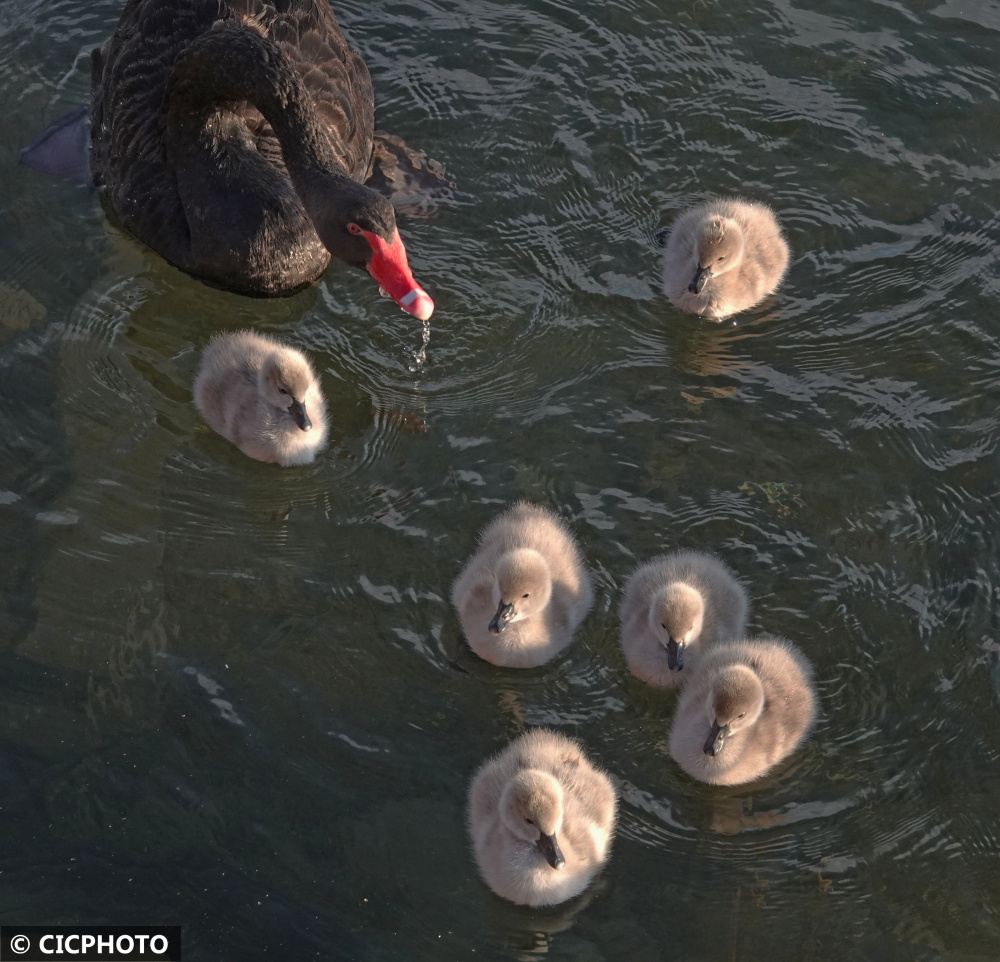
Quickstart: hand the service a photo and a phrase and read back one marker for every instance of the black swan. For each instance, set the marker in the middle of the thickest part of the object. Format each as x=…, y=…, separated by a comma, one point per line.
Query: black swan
x=234, y=138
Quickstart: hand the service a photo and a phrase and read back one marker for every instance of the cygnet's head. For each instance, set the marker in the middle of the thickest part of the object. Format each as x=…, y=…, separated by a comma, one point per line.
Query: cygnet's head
x=531, y=808
x=522, y=587
x=734, y=703
x=283, y=382
x=675, y=617
x=719, y=248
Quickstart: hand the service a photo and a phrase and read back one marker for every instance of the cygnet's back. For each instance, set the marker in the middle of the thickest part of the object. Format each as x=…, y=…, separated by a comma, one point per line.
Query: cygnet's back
x=525, y=590
x=673, y=609
x=723, y=257
x=263, y=396
x=750, y=705
x=541, y=818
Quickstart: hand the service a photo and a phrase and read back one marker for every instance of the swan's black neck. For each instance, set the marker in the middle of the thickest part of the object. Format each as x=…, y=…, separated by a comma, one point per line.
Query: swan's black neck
x=233, y=63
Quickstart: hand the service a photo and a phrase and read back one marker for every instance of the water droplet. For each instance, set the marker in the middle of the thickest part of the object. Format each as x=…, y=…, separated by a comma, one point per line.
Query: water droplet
x=420, y=355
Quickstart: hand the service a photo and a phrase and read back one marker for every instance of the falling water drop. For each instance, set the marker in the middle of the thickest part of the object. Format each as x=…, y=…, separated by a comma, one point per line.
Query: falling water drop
x=420, y=355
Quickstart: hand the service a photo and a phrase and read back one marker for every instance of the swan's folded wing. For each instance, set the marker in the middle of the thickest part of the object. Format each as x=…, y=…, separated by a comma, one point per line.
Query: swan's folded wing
x=128, y=82
x=414, y=182
x=333, y=72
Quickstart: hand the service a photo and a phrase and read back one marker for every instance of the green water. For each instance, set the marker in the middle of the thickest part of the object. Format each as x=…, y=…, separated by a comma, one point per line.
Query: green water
x=232, y=696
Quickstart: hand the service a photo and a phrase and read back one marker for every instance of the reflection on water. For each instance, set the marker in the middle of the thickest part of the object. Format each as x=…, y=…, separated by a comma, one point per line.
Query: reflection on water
x=234, y=696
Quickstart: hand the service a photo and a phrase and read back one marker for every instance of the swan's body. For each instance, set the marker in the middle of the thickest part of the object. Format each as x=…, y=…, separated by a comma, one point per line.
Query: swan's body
x=524, y=592
x=541, y=819
x=748, y=707
x=234, y=136
x=723, y=257
x=673, y=609
x=263, y=396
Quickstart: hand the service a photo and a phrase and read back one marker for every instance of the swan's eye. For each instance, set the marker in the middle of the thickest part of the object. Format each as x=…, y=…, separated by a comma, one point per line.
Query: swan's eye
x=529, y=821
x=740, y=715
x=353, y=228
x=282, y=390
x=525, y=595
x=723, y=257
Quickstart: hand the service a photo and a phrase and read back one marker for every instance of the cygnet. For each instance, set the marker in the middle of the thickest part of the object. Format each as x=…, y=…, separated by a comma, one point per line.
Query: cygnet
x=263, y=396
x=723, y=257
x=673, y=609
x=524, y=592
x=541, y=817
x=750, y=705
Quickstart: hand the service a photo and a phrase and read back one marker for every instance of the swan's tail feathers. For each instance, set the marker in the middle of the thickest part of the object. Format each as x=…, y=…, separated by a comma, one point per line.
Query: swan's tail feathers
x=64, y=148
x=414, y=183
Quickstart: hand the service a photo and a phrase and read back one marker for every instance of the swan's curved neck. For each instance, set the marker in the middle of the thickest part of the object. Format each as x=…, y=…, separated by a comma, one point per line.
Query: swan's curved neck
x=233, y=63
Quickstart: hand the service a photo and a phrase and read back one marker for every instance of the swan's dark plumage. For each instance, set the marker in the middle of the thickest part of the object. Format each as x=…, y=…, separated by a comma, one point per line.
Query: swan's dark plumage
x=233, y=137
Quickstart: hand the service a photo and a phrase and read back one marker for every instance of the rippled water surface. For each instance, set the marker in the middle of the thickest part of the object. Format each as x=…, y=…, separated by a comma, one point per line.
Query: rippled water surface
x=232, y=694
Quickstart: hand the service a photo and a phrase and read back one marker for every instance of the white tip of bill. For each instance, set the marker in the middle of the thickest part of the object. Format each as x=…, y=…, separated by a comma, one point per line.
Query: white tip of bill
x=417, y=303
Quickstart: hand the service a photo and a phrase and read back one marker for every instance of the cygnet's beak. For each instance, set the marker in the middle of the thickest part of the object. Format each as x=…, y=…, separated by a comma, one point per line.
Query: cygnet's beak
x=500, y=619
x=716, y=739
x=675, y=655
x=550, y=849
x=298, y=412
x=700, y=279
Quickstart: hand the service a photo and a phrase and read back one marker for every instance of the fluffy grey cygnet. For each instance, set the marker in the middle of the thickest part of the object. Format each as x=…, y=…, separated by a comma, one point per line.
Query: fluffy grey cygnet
x=674, y=608
x=723, y=257
x=525, y=591
x=541, y=817
x=263, y=396
x=750, y=705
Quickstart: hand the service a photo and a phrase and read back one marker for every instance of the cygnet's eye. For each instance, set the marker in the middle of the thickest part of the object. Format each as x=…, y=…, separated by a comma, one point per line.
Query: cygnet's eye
x=525, y=595
x=740, y=715
x=722, y=258
x=282, y=390
x=353, y=228
x=529, y=821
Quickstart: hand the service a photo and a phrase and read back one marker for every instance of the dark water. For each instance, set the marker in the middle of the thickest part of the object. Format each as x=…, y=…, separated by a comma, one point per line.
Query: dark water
x=230, y=694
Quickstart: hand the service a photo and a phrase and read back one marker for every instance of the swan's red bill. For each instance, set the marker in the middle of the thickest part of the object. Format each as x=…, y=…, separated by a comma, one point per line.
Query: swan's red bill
x=388, y=266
